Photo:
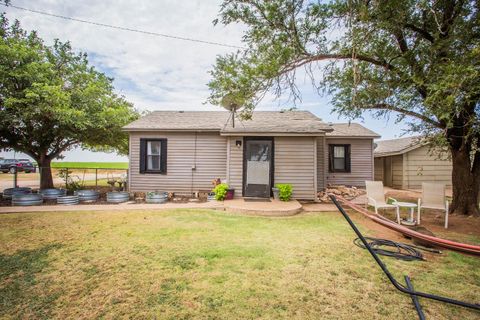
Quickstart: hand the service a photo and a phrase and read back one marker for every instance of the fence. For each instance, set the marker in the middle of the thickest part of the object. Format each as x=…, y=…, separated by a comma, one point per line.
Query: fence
x=69, y=178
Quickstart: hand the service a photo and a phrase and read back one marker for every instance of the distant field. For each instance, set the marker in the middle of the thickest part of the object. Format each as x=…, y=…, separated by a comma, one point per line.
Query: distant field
x=91, y=165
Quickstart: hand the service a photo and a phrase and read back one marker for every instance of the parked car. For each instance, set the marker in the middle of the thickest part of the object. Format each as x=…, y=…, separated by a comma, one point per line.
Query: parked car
x=10, y=165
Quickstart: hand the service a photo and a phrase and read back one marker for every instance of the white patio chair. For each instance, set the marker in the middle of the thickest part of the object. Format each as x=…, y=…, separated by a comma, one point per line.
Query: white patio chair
x=376, y=198
x=433, y=197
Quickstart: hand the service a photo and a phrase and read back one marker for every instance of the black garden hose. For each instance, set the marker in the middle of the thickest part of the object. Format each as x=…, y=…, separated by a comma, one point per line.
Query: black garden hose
x=389, y=248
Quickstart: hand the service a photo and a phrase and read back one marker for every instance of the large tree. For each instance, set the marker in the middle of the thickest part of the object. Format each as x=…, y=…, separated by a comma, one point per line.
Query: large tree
x=51, y=100
x=416, y=61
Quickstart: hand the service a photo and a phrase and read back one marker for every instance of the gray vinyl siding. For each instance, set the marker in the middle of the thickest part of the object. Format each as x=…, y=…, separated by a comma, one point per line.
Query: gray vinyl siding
x=378, y=169
x=422, y=166
x=295, y=164
x=361, y=167
x=209, y=158
x=235, y=173
x=321, y=165
x=397, y=171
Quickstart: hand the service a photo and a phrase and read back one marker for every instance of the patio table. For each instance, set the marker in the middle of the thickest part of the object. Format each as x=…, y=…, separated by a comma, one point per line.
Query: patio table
x=409, y=205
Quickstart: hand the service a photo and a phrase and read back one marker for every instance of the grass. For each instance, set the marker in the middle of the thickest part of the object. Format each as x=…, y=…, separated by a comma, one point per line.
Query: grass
x=203, y=264
x=91, y=165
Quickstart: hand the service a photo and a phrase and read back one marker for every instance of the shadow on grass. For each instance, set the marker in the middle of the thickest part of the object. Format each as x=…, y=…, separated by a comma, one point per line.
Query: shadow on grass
x=20, y=294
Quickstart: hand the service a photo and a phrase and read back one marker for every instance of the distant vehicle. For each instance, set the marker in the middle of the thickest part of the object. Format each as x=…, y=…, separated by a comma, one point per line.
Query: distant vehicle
x=20, y=165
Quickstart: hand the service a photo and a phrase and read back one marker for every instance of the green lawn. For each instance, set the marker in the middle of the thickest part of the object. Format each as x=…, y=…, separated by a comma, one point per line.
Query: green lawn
x=202, y=264
x=91, y=165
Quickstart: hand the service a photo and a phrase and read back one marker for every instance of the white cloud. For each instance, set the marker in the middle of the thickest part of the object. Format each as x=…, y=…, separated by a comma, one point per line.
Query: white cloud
x=152, y=72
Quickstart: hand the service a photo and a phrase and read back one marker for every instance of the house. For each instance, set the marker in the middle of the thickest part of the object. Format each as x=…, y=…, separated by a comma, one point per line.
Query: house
x=183, y=152
x=407, y=162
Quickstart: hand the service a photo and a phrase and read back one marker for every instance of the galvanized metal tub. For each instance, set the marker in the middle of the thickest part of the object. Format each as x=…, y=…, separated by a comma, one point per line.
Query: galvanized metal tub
x=211, y=196
x=32, y=199
x=161, y=197
x=9, y=192
x=87, y=195
x=118, y=197
x=68, y=200
x=52, y=194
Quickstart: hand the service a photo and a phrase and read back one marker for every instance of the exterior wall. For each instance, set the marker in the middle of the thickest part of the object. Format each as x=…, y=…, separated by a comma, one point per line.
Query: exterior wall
x=397, y=172
x=207, y=152
x=217, y=156
x=322, y=167
x=422, y=166
x=295, y=164
x=378, y=169
x=361, y=157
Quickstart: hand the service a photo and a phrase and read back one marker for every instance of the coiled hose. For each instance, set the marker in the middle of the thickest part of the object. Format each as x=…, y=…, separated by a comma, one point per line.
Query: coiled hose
x=397, y=250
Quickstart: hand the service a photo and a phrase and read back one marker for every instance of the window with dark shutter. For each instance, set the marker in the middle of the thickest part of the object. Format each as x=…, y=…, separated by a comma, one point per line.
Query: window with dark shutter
x=339, y=158
x=153, y=156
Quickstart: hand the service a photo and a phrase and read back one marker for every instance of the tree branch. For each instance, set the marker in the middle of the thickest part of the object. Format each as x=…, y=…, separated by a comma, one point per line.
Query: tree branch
x=424, y=33
x=385, y=106
x=335, y=56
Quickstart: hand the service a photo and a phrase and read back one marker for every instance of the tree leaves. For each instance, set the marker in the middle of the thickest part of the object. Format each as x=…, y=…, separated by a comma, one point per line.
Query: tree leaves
x=52, y=100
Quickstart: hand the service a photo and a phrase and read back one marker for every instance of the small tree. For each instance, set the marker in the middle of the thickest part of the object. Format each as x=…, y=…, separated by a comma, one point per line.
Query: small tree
x=51, y=100
x=417, y=60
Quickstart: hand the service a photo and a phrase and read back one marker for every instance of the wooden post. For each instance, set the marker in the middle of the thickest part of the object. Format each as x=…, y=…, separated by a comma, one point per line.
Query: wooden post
x=96, y=178
x=66, y=178
x=15, y=184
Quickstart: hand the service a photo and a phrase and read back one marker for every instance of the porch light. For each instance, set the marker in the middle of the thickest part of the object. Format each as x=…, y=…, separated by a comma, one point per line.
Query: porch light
x=238, y=143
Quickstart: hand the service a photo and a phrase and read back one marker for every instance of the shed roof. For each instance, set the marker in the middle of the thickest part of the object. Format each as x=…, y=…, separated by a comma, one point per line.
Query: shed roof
x=397, y=146
x=262, y=122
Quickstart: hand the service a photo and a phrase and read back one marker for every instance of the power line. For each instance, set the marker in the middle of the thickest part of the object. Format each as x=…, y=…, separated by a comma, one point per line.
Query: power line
x=124, y=28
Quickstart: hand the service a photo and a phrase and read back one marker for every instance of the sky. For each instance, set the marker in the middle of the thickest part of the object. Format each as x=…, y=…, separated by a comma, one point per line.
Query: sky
x=157, y=73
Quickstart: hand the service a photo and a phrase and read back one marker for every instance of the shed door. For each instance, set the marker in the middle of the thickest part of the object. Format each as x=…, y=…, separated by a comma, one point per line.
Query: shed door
x=257, y=168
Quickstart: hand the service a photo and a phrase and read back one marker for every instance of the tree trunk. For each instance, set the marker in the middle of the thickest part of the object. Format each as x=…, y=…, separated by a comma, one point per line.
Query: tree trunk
x=466, y=183
x=46, y=180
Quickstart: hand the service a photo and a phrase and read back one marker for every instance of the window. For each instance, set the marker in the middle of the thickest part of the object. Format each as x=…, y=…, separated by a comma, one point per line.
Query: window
x=339, y=158
x=153, y=156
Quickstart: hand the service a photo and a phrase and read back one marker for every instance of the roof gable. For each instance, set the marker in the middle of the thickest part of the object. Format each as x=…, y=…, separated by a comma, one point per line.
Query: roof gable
x=397, y=146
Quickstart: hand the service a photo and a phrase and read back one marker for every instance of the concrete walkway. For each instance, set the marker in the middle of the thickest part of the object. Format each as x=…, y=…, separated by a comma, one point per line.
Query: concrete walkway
x=240, y=206
x=261, y=208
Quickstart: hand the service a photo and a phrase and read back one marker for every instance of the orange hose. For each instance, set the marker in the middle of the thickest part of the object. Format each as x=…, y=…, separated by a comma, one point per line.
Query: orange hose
x=452, y=245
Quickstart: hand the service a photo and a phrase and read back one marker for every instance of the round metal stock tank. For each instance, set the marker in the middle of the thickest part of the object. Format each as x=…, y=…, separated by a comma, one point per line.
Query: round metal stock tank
x=118, y=197
x=68, y=200
x=52, y=194
x=32, y=199
x=161, y=197
x=87, y=195
x=8, y=193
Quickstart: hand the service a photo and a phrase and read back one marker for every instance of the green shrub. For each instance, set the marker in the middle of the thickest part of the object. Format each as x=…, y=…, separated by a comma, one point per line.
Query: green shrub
x=221, y=191
x=285, y=191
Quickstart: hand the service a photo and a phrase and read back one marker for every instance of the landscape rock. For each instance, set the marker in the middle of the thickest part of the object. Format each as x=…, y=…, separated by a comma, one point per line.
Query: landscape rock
x=346, y=192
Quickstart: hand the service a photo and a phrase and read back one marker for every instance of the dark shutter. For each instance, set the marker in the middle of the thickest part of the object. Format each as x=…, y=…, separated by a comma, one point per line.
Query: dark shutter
x=347, y=158
x=143, y=155
x=163, y=157
x=330, y=157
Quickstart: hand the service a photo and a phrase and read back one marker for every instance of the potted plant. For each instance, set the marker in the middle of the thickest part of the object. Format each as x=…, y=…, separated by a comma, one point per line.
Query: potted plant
x=284, y=191
x=221, y=191
x=276, y=193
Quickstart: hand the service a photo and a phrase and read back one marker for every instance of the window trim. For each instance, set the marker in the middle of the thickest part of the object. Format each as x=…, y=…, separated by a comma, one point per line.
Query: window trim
x=144, y=155
x=331, y=148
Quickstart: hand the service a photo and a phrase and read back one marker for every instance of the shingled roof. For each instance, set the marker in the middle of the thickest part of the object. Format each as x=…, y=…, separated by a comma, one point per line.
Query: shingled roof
x=396, y=146
x=351, y=130
x=262, y=122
